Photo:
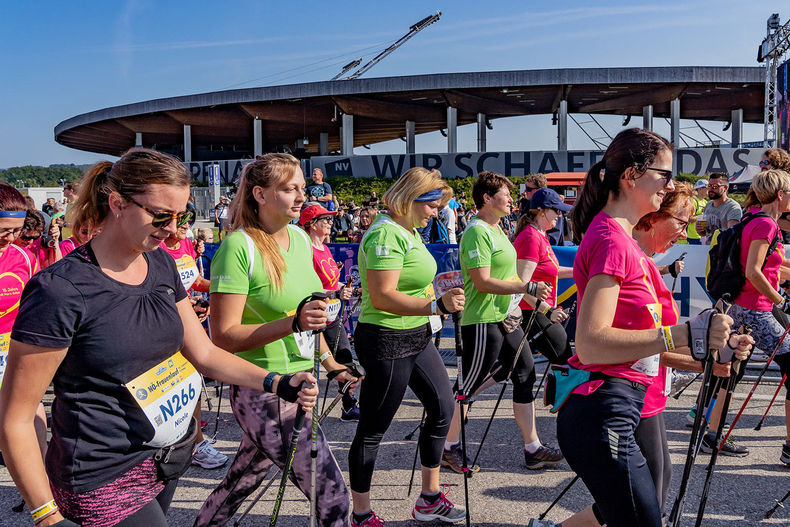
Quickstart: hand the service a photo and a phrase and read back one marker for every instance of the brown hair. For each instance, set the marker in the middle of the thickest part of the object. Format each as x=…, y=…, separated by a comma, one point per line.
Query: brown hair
x=539, y=180
x=778, y=158
x=33, y=221
x=11, y=198
x=635, y=148
x=266, y=171
x=765, y=188
x=680, y=198
x=488, y=183
x=130, y=175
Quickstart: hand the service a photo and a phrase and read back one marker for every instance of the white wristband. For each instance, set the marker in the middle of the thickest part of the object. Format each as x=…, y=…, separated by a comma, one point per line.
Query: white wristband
x=433, y=307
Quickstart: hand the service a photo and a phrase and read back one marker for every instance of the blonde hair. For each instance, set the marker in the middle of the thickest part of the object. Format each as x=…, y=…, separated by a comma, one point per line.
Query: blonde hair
x=266, y=171
x=203, y=234
x=765, y=187
x=130, y=175
x=412, y=184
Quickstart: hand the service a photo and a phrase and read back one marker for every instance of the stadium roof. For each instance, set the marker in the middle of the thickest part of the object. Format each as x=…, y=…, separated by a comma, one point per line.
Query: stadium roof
x=222, y=122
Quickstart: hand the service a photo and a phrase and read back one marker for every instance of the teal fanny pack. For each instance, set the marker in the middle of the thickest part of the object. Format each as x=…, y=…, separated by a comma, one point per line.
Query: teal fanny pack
x=561, y=382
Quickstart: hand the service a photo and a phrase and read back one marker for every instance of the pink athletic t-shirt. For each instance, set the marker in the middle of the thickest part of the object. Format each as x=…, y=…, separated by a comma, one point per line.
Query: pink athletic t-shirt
x=68, y=245
x=607, y=249
x=534, y=246
x=185, y=257
x=17, y=265
x=326, y=268
x=657, y=393
x=760, y=229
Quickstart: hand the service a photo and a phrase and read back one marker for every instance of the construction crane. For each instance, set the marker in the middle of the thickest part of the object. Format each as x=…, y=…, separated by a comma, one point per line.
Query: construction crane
x=771, y=50
x=413, y=30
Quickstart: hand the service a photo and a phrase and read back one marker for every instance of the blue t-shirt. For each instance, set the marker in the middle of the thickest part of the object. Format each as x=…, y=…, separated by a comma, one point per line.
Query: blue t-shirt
x=319, y=190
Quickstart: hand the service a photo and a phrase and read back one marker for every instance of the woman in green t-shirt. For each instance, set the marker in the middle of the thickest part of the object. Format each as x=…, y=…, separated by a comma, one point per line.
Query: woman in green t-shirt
x=262, y=275
x=394, y=342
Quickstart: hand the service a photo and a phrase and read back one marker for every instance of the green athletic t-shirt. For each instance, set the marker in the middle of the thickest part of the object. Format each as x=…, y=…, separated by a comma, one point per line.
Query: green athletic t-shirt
x=484, y=245
x=230, y=274
x=387, y=246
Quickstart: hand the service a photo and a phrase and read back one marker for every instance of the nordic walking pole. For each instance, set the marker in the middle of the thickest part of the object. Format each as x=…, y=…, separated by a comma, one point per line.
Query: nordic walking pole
x=416, y=451
x=334, y=347
x=754, y=387
x=558, y=498
x=314, y=445
x=461, y=397
x=289, y=460
x=504, y=384
x=779, y=503
x=331, y=407
x=778, y=388
x=674, y=516
x=715, y=453
x=675, y=279
x=219, y=405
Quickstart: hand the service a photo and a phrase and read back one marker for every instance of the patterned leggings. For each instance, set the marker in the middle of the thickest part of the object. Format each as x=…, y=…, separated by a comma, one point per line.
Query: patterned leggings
x=267, y=422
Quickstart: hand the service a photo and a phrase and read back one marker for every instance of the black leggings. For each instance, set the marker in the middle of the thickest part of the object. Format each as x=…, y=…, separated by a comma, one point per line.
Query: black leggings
x=154, y=513
x=487, y=348
x=651, y=437
x=384, y=386
x=784, y=365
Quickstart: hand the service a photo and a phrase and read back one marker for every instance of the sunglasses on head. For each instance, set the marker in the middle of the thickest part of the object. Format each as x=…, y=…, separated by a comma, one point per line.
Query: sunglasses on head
x=162, y=218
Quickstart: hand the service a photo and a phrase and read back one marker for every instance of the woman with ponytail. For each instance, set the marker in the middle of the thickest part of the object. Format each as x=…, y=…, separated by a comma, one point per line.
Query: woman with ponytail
x=112, y=328
x=621, y=332
x=262, y=278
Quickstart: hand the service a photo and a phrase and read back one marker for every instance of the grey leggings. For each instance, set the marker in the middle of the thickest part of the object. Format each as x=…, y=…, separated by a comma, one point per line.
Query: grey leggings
x=267, y=422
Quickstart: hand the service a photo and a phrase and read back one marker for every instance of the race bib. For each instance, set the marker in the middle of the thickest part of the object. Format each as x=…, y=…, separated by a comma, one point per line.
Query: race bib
x=668, y=382
x=305, y=343
x=649, y=365
x=187, y=270
x=436, y=323
x=332, y=310
x=5, y=339
x=515, y=299
x=167, y=394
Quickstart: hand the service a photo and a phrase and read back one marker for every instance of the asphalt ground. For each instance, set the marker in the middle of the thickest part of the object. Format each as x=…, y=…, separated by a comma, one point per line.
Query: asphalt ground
x=504, y=492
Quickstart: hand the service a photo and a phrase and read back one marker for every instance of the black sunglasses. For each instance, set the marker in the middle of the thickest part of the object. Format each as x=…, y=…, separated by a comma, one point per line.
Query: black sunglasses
x=666, y=174
x=162, y=218
x=26, y=237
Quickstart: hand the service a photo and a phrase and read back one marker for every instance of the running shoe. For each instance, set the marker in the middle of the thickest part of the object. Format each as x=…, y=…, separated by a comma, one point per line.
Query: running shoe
x=543, y=457
x=454, y=460
x=441, y=509
x=370, y=521
x=691, y=416
x=541, y=523
x=785, y=457
x=730, y=448
x=680, y=381
x=206, y=456
x=350, y=415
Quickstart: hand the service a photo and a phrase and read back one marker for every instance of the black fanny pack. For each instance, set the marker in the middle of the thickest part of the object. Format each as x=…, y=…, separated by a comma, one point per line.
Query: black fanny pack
x=550, y=339
x=172, y=461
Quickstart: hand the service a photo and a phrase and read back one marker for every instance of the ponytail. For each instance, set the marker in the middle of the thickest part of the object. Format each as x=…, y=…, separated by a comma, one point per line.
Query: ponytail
x=751, y=200
x=92, y=205
x=632, y=148
x=592, y=197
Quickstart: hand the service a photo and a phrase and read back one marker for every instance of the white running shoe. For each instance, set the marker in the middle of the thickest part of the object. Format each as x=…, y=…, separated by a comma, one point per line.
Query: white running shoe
x=442, y=509
x=206, y=456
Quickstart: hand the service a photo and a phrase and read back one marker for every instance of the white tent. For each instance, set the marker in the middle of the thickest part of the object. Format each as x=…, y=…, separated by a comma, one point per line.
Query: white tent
x=742, y=180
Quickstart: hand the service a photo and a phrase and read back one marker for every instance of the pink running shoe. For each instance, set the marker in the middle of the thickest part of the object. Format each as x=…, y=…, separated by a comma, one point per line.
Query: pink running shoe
x=370, y=521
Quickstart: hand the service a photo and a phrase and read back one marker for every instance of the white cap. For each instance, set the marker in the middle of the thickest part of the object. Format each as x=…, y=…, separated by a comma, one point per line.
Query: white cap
x=701, y=183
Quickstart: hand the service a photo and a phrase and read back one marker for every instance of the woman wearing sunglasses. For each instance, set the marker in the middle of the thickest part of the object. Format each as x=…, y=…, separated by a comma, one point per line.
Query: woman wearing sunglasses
x=112, y=328
x=317, y=222
x=262, y=278
x=655, y=232
x=46, y=250
x=622, y=329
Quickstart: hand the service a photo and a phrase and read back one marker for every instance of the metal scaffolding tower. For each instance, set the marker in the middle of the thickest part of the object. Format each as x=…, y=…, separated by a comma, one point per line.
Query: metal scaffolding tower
x=771, y=50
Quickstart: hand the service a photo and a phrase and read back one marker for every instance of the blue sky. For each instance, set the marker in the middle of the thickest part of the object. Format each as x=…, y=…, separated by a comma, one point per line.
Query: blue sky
x=61, y=59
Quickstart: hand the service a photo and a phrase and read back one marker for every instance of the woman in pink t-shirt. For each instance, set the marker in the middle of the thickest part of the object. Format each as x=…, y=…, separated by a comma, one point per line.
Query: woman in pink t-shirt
x=317, y=221
x=45, y=251
x=17, y=265
x=621, y=331
x=768, y=196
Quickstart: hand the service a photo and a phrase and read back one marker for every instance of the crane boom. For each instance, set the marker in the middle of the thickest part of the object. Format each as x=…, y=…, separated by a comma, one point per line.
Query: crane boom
x=413, y=30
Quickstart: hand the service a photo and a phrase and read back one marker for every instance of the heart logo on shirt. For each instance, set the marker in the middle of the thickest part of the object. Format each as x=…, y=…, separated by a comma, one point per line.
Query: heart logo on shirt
x=10, y=289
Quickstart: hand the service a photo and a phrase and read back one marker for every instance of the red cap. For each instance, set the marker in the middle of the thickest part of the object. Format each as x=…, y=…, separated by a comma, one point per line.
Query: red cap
x=312, y=212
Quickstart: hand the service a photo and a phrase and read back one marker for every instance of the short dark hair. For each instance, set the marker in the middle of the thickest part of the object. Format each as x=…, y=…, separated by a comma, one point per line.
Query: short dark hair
x=488, y=183
x=720, y=175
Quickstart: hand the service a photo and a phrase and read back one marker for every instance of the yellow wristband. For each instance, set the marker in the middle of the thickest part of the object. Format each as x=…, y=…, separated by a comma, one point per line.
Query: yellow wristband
x=44, y=510
x=669, y=344
x=544, y=310
x=326, y=354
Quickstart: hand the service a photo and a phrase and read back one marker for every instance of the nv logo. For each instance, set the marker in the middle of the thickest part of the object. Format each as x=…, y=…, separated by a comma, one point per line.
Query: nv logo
x=382, y=250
